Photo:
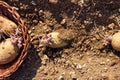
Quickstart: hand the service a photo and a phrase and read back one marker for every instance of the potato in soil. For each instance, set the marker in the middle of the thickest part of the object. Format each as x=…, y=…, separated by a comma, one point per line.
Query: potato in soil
x=57, y=42
x=61, y=37
x=116, y=41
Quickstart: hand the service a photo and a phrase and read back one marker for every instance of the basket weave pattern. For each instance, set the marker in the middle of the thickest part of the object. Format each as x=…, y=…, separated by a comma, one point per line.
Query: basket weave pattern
x=8, y=11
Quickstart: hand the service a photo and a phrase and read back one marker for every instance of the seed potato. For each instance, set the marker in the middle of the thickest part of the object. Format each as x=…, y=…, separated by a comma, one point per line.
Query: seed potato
x=8, y=51
x=7, y=25
x=58, y=42
x=116, y=41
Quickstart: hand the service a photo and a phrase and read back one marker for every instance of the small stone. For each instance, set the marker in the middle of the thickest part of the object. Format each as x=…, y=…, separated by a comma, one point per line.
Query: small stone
x=74, y=1
x=53, y=1
x=35, y=21
x=29, y=31
x=79, y=66
x=44, y=59
x=33, y=28
x=99, y=15
x=35, y=42
x=97, y=37
x=63, y=21
x=102, y=63
x=111, y=26
x=105, y=69
x=40, y=11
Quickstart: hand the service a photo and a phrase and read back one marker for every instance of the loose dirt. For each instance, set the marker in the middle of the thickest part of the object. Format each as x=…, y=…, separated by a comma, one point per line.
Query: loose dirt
x=85, y=58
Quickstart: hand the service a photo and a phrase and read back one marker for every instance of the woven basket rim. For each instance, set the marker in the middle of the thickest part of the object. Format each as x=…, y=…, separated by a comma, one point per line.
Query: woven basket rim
x=12, y=14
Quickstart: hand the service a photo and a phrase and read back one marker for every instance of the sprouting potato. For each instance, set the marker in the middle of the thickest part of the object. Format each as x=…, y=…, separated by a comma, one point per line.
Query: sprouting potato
x=115, y=42
x=8, y=51
x=7, y=26
x=56, y=41
x=52, y=40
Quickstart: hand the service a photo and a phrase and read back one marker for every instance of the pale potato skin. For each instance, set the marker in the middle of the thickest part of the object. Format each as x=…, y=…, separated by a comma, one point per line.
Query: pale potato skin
x=116, y=41
x=6, y=25
x=58, y=42
x=8, y=51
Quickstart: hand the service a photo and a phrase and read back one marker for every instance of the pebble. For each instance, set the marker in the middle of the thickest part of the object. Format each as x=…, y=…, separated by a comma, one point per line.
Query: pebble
x=29, y=31
x=53, y=1
x=33, y=28
x=111, y=26
x=97, y=36
x=35, y=42
x=105, y=69
x=63, y=21
x=74, y=1
x=35, y=21
x=99, y=15
x=79, y=66
x=44, y=59
x=102, y=63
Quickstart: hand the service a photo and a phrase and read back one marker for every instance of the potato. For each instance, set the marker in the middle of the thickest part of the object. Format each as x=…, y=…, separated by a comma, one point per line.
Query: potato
x=58, y=38
x=7, y=26
x=116, y=41
x=8, y=51
x=57, y=42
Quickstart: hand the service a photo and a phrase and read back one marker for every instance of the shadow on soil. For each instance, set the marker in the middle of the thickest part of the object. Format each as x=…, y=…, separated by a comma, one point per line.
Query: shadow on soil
x=110, y=49
x=29, y=67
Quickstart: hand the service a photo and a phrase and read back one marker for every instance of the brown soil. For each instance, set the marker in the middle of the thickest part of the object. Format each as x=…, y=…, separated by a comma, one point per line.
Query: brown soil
x=85, y=58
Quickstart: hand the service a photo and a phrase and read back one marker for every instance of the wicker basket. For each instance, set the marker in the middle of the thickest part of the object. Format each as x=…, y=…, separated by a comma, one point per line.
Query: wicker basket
x=8, y=11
